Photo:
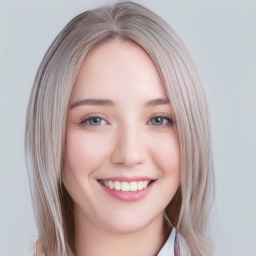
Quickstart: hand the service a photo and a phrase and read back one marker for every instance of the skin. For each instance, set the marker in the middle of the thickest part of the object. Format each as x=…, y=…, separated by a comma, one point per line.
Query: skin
x=38, y=251
x=126, y=140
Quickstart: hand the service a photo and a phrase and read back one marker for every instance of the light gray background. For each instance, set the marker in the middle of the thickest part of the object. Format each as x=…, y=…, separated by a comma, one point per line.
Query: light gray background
x=220, y=34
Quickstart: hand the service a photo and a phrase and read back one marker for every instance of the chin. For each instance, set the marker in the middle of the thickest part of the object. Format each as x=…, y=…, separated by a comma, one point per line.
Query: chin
x=128, y=222
x=126, y=227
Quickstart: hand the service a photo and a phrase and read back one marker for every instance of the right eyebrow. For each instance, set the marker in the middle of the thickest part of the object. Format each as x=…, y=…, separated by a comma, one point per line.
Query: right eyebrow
x=99, y=102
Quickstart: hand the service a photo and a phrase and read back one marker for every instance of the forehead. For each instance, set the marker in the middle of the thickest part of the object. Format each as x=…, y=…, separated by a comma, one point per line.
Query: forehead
x=118, y=66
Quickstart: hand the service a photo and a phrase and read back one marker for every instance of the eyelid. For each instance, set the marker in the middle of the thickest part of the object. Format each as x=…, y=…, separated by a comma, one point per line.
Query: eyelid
x=86, y=117
x=161, y=115
x=165, y=116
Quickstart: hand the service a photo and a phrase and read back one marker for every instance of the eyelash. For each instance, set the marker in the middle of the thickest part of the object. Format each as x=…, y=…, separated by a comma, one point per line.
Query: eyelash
x=169, y=121
x=86, y=120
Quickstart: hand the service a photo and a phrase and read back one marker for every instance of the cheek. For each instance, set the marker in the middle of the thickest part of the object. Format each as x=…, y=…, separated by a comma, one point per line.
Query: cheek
x=166, y=154
x=84, y=151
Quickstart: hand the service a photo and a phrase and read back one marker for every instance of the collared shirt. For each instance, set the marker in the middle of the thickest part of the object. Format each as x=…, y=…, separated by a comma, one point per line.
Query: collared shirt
x=168, y=248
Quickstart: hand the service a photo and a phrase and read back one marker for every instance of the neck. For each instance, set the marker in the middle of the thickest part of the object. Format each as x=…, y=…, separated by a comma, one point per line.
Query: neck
x=93, y=240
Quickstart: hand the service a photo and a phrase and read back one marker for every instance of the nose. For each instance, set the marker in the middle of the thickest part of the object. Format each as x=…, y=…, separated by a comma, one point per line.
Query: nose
x=130, y=148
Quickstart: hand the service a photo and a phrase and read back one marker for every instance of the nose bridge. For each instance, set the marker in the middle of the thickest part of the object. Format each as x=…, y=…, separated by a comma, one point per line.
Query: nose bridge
x=130, y=147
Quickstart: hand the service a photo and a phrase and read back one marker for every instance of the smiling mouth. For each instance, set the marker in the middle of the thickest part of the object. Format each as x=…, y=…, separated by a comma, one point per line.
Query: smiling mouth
x=126, y=186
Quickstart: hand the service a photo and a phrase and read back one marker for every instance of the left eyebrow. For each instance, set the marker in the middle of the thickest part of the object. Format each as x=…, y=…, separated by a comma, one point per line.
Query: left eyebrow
x=156, y=102
x=99, y=102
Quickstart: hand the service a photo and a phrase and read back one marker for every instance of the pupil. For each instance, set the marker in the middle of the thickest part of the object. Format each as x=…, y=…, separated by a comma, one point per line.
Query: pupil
x=158, y=120
x=95, y=120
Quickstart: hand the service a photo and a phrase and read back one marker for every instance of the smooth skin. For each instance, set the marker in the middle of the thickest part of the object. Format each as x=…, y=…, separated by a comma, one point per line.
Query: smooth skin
x=120, y=125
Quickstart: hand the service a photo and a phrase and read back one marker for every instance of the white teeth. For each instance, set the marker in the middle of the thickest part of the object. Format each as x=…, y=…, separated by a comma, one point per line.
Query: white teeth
x=140, y=185
x=145, y=184
x=106, y=183
x=126, y=186
x=133, y=186
x=117, y=185
x=110, y=184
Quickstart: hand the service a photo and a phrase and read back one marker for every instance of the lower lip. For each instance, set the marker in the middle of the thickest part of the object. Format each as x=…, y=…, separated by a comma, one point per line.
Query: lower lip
x=132, y=196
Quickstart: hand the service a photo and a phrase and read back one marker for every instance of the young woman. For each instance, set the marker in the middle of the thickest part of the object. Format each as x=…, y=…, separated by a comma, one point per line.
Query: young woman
x=118, y=140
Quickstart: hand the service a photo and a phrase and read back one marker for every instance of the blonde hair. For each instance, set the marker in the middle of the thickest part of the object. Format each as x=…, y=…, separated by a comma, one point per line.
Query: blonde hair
x=48, y=109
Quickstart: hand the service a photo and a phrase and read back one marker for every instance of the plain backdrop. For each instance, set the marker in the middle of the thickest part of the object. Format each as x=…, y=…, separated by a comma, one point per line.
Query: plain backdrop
x=221, y=36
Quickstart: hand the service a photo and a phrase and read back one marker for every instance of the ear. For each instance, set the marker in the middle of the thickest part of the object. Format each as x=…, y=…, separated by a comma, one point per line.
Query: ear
x=38, y=249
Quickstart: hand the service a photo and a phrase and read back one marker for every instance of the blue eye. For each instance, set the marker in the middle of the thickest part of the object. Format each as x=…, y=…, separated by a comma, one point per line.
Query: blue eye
x=94, y=121
x=160, y=121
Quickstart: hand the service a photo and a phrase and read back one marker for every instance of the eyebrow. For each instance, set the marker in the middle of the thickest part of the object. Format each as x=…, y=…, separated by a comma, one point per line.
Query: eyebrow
x=106, y=102
x=156, y=102
x=98, y=102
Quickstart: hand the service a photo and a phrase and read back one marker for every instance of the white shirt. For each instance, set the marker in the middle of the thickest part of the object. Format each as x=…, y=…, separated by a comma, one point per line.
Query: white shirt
x=168, y=248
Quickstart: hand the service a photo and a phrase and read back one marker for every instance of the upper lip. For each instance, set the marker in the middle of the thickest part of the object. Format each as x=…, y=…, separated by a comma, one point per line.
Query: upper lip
x=128, y=179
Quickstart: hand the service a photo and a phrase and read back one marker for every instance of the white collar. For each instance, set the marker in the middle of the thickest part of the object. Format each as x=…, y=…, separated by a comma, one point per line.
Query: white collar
x=168, y=248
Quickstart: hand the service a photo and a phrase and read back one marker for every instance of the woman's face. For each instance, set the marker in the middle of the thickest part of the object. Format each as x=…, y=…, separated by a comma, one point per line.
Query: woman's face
x=122, y=163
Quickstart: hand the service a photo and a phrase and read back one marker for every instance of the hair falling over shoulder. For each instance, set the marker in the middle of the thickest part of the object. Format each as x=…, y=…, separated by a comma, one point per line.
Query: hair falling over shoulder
x=190, y=209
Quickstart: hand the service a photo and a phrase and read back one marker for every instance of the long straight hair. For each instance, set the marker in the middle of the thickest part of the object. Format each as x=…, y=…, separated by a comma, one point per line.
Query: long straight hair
x=189, y=210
